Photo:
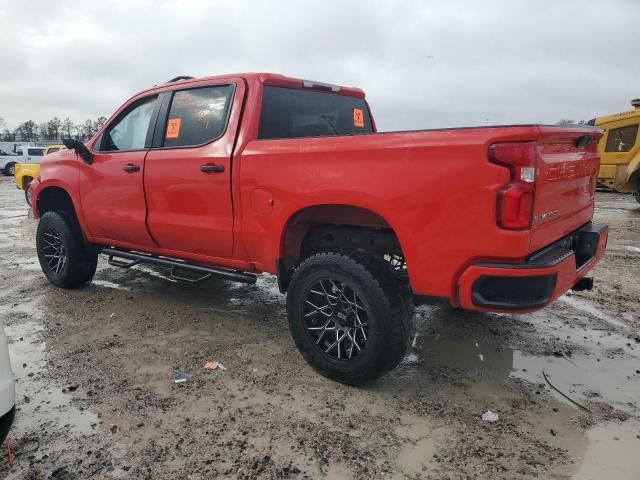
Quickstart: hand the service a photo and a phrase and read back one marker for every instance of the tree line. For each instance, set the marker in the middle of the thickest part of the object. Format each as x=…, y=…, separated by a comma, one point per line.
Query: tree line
x=53, y=130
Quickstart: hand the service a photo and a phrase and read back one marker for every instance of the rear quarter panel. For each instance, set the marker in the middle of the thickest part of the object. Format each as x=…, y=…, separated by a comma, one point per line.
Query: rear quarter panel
x=436, y=189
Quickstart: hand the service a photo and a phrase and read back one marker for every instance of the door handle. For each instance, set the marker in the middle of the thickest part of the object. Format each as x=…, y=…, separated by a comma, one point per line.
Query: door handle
x=131, y=168
x=208, y=168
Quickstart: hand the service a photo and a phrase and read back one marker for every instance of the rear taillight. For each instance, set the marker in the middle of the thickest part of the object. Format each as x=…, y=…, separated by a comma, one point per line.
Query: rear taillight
x=515, y=200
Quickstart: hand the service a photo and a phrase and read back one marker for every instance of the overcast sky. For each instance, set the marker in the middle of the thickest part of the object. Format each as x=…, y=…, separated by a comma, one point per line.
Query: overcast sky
x=423, y=64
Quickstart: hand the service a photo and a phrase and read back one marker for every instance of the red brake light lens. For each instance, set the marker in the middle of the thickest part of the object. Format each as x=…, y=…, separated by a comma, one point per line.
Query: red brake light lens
x=515, y=201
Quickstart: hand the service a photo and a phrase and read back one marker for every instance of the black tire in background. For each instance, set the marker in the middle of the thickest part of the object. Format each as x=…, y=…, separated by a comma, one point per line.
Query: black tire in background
x=636, y=195
x=27, y=192
x=9, y=170
x=64, y=258
x=390, y=324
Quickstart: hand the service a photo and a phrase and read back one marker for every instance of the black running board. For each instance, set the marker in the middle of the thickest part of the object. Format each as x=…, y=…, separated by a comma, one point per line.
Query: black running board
x=176, y=266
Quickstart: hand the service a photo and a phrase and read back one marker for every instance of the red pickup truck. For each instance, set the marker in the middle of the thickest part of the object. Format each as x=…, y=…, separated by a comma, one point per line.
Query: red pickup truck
x=242, y=174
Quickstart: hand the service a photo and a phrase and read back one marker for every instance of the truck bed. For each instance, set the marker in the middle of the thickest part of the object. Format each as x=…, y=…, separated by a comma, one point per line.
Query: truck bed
x=435, y=188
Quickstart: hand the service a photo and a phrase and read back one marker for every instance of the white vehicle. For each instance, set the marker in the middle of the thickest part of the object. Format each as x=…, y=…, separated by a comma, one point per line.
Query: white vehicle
x=7, y=388
x=24, y=154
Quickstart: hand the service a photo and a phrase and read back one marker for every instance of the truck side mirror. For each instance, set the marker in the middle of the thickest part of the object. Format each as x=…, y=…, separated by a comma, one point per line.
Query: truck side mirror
x=81, y=150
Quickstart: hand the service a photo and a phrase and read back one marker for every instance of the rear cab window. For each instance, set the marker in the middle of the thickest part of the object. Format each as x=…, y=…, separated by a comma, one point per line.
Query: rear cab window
x=35, y=152
x=197, y=116
x=296, y=113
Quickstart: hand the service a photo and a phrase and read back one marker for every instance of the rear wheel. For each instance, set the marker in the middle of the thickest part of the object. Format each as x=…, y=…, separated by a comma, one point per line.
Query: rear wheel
x=65, y=259
x=349, y=316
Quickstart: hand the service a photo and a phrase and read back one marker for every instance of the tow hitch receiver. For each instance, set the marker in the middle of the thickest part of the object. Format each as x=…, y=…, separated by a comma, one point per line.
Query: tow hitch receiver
x=583, y=284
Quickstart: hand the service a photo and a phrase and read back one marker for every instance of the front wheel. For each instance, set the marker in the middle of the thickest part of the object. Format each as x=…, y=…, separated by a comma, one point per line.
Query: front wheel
x=10, y=169
x=349, y=316
x=64, y=258
x=636, y=195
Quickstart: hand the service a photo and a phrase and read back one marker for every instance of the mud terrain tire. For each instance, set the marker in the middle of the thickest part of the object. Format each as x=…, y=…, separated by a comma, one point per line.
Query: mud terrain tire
x=367, y=282
x=65, y=259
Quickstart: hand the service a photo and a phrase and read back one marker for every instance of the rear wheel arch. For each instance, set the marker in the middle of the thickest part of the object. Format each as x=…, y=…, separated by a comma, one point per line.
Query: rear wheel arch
x=332, y=227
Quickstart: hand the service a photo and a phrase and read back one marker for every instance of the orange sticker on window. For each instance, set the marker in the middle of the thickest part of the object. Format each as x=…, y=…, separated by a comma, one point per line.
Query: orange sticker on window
x=358, y=118
x=173, y=128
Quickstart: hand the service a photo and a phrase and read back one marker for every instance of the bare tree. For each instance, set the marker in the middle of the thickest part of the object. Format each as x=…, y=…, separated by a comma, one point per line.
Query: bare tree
x=44, y=131
x=53, y=128
x=67, y=127
x=28, y=131
x=97, y=125
x=7, y=136
x=88, y=129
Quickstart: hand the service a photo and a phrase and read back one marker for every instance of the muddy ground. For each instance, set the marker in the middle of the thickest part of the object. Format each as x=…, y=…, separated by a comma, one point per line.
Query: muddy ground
x=96, y=396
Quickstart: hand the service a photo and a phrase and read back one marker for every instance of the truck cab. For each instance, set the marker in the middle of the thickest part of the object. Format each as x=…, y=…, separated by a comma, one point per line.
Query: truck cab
x=619, y=150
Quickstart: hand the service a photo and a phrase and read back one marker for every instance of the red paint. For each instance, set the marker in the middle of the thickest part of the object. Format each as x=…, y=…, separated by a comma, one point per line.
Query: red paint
x=437, y=189
x=114, y=198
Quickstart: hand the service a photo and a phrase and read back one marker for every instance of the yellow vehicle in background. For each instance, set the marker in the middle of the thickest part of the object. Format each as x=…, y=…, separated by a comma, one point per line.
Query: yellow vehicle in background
x=619, y=150
x=25, y=172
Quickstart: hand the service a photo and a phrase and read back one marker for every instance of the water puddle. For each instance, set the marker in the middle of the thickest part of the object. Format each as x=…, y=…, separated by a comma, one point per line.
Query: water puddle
x=584, y=306
x=604, y=371
x=612, y=452
x=108, y=284
x=420, y=443
x=40, y=403
x=585, y=377
x=13, y=213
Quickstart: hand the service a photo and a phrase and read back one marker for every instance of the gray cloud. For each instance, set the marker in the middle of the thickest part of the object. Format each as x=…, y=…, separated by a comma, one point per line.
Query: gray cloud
x=423, y=64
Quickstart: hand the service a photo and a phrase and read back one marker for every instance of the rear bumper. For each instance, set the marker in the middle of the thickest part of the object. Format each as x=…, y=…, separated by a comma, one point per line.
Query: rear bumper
x=537, y=282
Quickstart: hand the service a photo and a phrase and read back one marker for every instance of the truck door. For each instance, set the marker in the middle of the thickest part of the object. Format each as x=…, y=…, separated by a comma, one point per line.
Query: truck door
x=187, y=177
x=111, y=190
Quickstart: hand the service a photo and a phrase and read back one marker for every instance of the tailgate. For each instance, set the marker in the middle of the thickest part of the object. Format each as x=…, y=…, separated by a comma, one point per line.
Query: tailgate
x=567, y=169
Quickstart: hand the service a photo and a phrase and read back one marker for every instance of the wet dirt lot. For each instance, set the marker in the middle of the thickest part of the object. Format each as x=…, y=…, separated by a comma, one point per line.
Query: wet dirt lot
x=96, y=396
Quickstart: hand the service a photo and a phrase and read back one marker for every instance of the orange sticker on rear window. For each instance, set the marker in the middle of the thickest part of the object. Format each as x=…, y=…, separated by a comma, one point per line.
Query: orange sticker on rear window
x=173, y=128
x=358, y=118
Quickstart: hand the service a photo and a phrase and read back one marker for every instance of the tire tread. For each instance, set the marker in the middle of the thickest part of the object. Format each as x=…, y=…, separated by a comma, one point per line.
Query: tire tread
x=383, y=285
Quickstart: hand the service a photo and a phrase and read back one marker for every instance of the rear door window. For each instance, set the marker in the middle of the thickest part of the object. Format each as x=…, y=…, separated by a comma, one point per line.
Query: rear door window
x=621, y=139
x=197, y=116
x=295, y=113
